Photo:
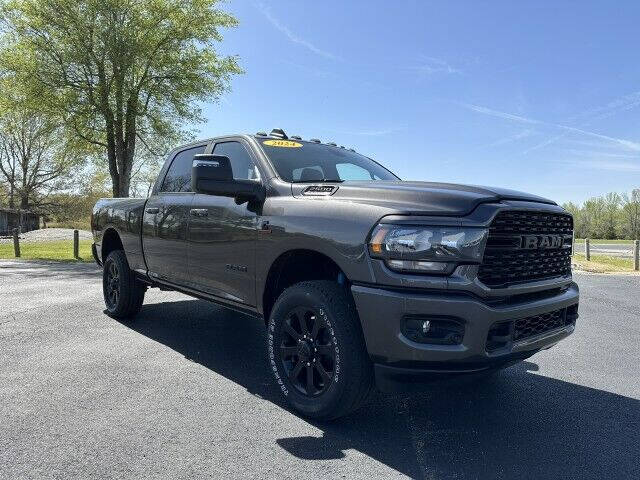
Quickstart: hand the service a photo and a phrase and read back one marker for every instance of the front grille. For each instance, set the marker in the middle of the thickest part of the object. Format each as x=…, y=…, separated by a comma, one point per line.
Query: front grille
x=532, y=326
x=506, y=262
x=503, y=334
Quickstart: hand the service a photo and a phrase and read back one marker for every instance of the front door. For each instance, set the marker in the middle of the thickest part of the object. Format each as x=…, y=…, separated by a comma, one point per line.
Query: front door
x=166, y=218
x=222, y=235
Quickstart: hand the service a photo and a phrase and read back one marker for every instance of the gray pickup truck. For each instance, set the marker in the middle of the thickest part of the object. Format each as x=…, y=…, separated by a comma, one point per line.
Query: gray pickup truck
x=362, y=279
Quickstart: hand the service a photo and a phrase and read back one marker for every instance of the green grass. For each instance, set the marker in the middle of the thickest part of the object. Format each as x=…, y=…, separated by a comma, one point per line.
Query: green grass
x=603, y=263
x=600, y=240
x=61, y=251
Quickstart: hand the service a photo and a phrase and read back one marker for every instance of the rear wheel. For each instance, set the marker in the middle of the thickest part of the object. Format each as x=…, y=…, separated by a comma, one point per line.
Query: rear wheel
x=123, y=293
x=317, y=352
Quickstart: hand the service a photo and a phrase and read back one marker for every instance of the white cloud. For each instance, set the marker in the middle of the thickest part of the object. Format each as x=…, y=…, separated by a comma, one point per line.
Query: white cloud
x=627, y=144
x=598, y=154
x=369, y=133
x=431, y=65
x=622, y=104
x=512, y=138
x=622, y=167
x=292, y=36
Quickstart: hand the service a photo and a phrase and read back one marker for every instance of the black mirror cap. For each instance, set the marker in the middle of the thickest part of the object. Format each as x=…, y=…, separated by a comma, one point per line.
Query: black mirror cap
x=241, y=190
x=212, y=175
x=210, y=167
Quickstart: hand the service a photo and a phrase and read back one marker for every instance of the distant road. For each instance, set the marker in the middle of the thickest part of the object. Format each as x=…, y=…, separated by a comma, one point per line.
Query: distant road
x=614, y=249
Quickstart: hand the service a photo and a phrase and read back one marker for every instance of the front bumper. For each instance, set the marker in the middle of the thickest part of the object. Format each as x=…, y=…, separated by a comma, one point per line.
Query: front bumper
x=399, y=359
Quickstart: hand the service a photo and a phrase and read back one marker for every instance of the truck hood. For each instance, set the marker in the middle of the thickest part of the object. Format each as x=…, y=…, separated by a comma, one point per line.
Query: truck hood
x=428, y=198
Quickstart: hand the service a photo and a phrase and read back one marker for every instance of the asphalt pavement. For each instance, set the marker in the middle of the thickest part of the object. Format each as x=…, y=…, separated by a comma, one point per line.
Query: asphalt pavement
x=184, y=392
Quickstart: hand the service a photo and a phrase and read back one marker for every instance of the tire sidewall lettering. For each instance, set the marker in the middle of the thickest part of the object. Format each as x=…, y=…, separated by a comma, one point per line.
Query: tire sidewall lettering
x=273, y=361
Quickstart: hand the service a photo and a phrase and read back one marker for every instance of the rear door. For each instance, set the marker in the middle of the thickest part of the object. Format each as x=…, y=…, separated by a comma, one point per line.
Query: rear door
x=222, y=234
x=166, y=218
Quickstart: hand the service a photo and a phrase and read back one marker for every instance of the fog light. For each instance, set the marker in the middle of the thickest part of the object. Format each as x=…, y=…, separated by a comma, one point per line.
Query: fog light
x=433, y=330
x=426, y=325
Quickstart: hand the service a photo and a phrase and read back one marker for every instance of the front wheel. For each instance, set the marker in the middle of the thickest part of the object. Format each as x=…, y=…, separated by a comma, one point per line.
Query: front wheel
x=317, y=352
x=123, y=293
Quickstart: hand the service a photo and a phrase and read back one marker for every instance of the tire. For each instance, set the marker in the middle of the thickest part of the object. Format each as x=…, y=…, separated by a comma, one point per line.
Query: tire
x=123, y=293
x=333, y=343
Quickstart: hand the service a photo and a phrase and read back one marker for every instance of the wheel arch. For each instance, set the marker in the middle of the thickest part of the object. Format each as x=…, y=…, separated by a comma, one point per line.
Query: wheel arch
x=110, y=241
x=298, y=265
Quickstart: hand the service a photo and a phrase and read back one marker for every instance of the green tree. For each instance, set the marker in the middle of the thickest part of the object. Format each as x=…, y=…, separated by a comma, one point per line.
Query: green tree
x=119, y=74
x=579, y=226
x=612, y=202
x=33, y=158
x=630, y=217
x=593, y=215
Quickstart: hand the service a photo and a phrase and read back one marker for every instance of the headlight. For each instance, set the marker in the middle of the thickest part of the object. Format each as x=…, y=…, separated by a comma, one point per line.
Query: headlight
x=427, y=249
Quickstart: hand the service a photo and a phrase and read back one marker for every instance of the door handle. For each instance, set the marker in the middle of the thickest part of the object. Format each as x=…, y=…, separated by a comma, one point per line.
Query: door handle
x=153, y=210
x=199, y=212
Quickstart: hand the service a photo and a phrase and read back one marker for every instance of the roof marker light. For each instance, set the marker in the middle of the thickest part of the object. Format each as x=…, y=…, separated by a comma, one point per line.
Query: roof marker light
x=278, y=133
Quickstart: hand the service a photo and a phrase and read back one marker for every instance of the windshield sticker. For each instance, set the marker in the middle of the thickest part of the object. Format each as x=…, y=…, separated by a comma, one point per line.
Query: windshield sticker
x=282, y=143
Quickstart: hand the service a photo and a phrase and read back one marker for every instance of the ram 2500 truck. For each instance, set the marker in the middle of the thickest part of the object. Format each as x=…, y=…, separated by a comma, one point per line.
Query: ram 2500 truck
x=362, y=279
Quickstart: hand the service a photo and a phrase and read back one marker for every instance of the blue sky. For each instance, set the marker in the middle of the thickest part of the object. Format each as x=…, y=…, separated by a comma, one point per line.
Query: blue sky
x=541, y=96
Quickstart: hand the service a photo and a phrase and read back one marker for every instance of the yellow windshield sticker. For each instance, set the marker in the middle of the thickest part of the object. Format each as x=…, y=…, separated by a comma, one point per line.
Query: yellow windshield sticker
x=282, y=143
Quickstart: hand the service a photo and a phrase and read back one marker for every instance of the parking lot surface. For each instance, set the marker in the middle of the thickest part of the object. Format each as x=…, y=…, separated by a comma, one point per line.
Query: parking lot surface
x=184, y=392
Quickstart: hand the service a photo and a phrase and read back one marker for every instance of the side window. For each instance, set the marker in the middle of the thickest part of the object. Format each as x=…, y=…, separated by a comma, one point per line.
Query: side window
x=241, y=162
x=178, y=177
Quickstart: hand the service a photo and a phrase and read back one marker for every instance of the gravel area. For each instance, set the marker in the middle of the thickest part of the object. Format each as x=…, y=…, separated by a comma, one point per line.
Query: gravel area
x=49, y=235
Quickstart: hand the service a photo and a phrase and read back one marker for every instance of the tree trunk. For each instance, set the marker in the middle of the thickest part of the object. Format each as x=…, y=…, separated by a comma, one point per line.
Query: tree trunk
x=12, y=203
x=120, y=152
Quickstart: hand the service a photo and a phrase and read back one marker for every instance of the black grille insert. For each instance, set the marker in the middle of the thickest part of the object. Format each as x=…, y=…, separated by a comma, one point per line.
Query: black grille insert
x=509, y=259
x=502, y=334
x=532, y=326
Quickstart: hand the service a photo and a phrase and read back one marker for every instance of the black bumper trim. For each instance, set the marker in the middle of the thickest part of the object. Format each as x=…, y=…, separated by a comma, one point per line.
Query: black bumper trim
x=394, y=379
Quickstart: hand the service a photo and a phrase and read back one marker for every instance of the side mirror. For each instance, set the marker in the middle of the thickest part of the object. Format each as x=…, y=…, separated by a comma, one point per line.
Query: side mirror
x=212, y=175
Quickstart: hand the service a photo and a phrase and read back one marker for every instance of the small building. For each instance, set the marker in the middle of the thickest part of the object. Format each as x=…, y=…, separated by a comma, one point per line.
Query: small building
x=23, y=219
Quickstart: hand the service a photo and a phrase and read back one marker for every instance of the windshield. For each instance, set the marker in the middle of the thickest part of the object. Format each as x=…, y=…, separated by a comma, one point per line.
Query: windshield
x=300, y=161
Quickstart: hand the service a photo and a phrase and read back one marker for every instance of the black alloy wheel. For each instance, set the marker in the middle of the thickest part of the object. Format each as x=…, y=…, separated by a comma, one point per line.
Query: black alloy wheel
x=112, y=285
x=307, y=353
x=123, y=292
x=316, y=350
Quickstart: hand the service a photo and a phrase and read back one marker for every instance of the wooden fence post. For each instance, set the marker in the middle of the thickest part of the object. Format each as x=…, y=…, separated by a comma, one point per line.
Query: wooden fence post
x=16, y=242
x=636, y=255
x=75, y=244
x=587, y=250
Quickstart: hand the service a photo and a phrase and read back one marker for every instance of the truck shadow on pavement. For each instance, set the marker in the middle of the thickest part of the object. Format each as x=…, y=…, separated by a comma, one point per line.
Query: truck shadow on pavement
x=517, y=424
